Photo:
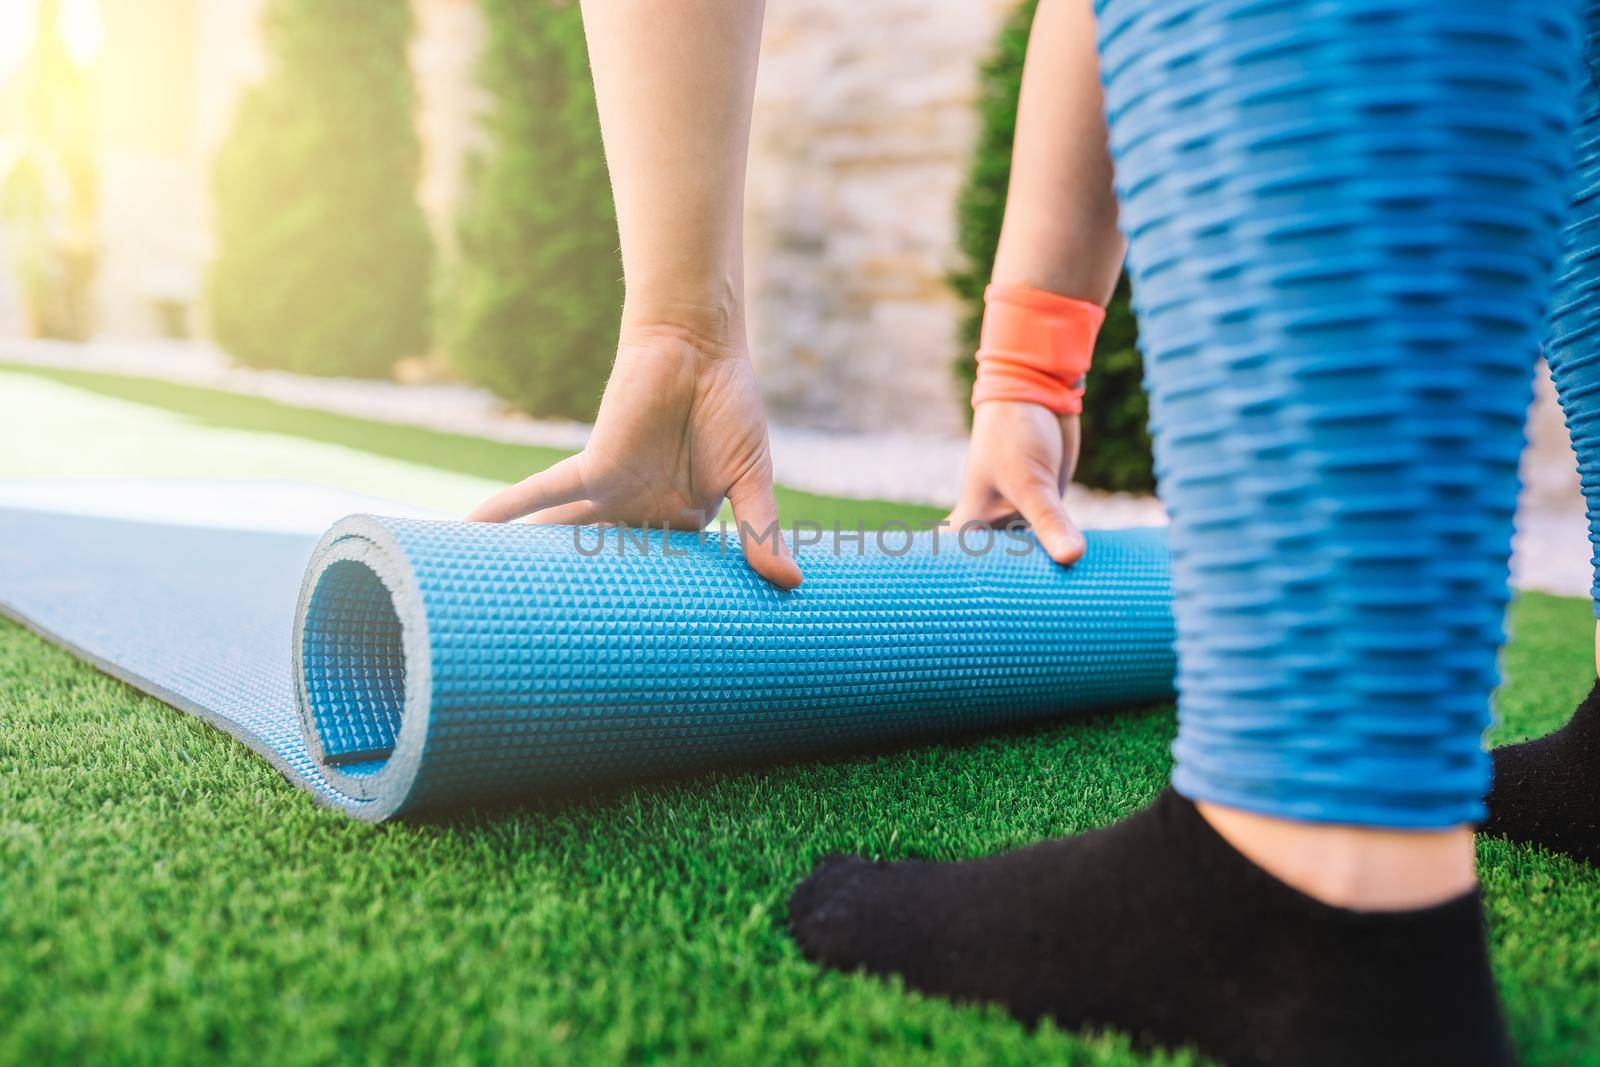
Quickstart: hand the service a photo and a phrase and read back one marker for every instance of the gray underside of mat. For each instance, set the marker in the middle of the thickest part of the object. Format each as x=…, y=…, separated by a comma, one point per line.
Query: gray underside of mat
x=199, y=617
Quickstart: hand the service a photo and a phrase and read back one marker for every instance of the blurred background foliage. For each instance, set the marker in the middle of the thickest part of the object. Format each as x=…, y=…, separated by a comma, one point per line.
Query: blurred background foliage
x=323, y=254
x=1116, y=449
x=531, y=305
x=49, y=187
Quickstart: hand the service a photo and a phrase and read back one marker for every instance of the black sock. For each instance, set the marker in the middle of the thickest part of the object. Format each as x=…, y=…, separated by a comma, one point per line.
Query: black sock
x=1547, y=791
x=1158, y=927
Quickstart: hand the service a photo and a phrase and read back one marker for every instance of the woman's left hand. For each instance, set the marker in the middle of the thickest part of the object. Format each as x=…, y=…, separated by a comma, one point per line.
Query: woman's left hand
x=1018, y=466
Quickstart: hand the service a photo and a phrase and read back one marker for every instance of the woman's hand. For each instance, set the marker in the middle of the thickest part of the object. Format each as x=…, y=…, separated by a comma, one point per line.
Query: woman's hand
x=681, y=426
x=1018, y=466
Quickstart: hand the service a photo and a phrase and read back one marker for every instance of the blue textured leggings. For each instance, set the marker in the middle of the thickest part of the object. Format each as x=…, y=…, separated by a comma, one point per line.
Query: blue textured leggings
x=1343, y=220
x=1572, y=345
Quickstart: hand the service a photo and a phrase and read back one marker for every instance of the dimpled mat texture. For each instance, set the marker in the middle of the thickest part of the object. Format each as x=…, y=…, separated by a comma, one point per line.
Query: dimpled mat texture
x=1343, y=222
x=430, y=665
x=1572, y=345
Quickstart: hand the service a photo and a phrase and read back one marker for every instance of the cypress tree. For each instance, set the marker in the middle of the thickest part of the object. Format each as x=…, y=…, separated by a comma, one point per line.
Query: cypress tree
x=323, y=255
x=537, y=285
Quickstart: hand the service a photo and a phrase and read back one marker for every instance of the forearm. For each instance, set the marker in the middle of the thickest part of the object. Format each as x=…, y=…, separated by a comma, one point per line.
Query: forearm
x=1060, y=229
x=674, y=81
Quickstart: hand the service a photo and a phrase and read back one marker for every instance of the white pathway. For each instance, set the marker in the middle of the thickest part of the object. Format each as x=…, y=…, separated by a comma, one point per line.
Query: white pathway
x=913, y=468
x=1551, y=551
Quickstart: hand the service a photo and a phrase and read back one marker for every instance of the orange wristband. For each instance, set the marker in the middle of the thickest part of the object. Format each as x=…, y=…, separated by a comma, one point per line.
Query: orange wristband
x=1035, y=347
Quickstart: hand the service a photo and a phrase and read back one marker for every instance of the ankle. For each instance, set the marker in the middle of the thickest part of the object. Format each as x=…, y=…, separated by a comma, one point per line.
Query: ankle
x=1353, y=867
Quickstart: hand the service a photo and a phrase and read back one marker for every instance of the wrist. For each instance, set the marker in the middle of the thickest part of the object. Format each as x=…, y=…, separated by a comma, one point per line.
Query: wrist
x=1005, y=411
x=1036, y=347
x=709, y=316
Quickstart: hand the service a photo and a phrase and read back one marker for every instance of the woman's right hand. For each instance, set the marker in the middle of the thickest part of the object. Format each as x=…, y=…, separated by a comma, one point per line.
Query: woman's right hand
x=680, y=428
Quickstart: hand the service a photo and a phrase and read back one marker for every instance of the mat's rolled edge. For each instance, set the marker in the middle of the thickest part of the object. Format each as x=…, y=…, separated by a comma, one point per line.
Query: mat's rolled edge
x=362, y=667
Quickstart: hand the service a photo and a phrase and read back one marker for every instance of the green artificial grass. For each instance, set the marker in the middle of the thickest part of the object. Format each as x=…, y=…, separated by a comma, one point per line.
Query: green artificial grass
x=167, y=898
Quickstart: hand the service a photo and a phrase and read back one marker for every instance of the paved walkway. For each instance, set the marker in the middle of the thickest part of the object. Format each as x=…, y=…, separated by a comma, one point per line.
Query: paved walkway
x=111, y=453
x=1551, y=551
x=913, y=468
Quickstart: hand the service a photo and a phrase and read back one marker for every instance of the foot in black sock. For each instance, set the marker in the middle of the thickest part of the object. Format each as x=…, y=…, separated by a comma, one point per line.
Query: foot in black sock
x=1158, y=927
x=1547, y=791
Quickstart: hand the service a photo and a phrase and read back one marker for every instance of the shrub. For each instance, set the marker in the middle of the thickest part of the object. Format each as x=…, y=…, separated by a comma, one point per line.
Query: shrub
x=322, y=251
x=533, y=301
x=1116, y=453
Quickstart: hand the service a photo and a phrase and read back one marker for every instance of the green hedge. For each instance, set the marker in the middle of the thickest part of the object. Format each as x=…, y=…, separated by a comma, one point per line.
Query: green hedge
x=1116, y=452
x=532, y=306
x=323, y=255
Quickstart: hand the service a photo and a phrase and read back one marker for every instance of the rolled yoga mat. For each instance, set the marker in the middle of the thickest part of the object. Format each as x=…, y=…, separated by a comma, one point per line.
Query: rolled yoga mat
x=430, y=665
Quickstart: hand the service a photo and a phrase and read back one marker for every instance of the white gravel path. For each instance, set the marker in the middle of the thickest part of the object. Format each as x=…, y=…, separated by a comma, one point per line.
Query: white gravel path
x=912, y=468
x=1551, y=551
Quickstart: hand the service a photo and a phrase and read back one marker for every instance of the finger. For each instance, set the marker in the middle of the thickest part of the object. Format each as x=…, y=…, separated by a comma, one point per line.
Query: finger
x=1041, y=506
x=561, y=483
x=966, y=514
x=577, y=513
x=755, y=516
x=983, y=508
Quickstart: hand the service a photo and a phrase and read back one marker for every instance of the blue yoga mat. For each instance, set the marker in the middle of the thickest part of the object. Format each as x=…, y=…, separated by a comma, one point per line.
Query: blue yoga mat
x=398, y=666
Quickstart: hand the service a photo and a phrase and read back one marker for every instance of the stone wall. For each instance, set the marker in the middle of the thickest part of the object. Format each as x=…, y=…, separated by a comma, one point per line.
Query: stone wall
x=864, y=120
